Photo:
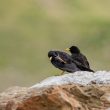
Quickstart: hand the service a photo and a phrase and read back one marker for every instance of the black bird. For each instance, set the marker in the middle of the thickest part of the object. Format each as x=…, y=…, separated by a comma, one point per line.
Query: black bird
x=78, y=56
x=65, y=62
x=62, y=61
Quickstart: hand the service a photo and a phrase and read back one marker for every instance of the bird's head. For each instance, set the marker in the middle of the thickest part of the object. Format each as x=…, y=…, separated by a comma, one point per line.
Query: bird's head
x=73, y=49
x=52, y=54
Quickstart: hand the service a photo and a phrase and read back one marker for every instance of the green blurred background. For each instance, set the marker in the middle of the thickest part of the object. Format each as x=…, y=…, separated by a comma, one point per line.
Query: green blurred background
x=30, y=28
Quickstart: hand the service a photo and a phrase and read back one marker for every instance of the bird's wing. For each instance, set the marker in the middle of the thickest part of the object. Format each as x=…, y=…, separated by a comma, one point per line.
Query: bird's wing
x=81, y=59
x=82, y=67
x=65, y=57
x=60, y=59
x=85, y=61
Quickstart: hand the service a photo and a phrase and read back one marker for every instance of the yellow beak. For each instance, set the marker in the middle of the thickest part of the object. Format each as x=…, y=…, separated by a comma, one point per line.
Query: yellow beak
x=50, y=58
x=67, y=49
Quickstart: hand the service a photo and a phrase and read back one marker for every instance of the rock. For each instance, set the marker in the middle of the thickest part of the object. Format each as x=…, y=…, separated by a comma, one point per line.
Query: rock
x=76, y=91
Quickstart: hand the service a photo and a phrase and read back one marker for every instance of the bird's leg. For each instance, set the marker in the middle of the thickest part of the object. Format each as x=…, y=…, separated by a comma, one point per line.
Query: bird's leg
x=62, y=72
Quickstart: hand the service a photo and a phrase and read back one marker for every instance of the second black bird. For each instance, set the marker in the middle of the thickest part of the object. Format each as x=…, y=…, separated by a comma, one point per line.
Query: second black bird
x=78, y=56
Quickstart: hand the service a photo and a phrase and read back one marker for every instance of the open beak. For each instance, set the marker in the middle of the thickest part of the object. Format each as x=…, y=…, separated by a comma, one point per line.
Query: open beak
x=67, y=49
x=50, y=58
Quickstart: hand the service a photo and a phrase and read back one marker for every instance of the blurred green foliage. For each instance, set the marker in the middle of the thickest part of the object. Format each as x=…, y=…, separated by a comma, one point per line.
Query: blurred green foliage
x=30, y=28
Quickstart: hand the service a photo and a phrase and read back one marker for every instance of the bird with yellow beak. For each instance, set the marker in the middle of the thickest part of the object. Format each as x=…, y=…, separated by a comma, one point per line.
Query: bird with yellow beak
x=78, y=56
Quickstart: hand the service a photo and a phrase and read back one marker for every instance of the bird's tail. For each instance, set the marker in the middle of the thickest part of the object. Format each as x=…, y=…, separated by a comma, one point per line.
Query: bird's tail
x=83, y=68
x=86, y=69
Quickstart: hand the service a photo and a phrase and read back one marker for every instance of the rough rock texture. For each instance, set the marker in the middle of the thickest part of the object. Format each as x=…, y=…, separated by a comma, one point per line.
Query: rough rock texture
x=61, y=93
